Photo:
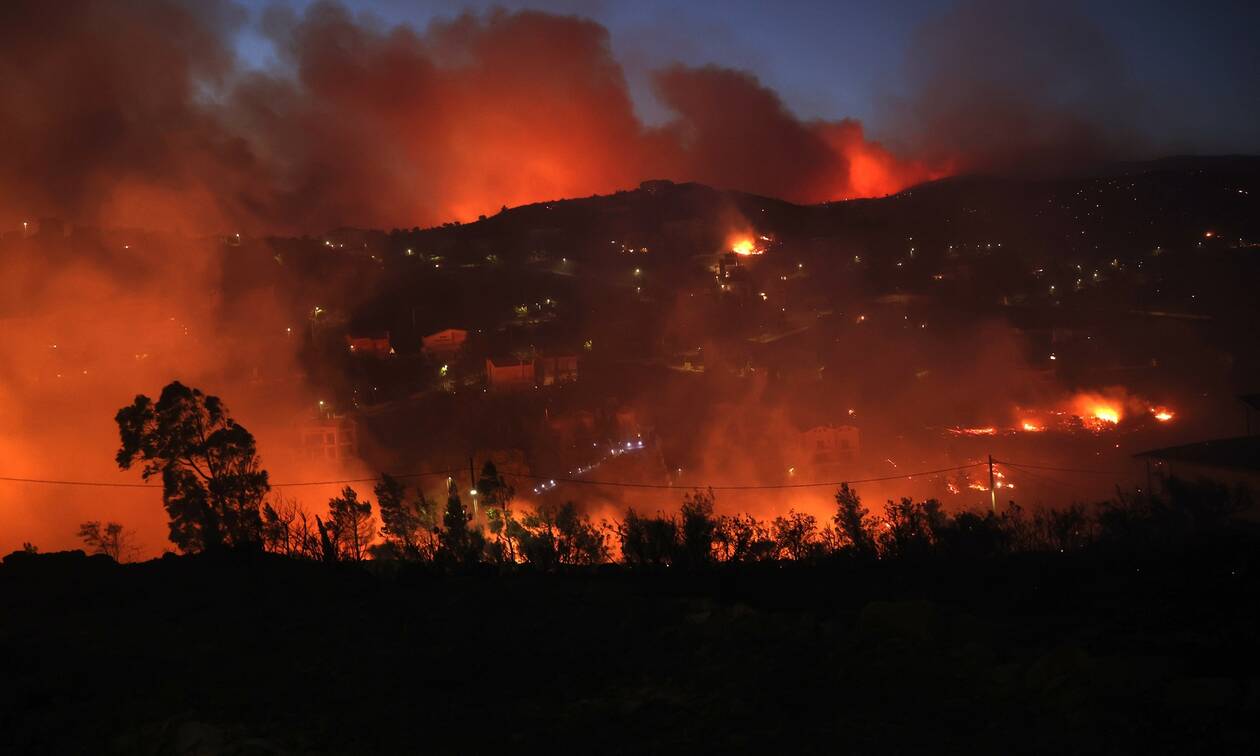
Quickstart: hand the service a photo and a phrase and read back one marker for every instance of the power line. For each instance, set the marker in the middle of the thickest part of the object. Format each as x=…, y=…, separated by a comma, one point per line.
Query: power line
x=631, y=484
x=582, y=481
x=1060, y=469
x=366, y=480
x=92, y=483
x=153, y=487
x=588, y=482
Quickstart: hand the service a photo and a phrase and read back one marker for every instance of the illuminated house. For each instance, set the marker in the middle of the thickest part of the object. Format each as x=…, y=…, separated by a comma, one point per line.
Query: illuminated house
x=445, y=343
x=554, y=369
x=1233, y=462
x=830, y=445
x=509, y=374
x=334, y=438
x=374, y=345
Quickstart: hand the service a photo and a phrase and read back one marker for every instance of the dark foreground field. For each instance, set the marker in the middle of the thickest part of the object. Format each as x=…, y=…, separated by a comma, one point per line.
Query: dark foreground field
x=1087, y=653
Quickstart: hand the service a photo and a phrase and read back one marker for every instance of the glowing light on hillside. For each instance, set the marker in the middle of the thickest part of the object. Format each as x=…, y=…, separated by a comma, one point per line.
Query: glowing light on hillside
x=988, y=430
x=1105, y=414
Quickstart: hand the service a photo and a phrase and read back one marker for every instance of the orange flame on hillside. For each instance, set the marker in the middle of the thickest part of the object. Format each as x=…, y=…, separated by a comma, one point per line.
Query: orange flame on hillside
x=744, y=244
x=988, y=430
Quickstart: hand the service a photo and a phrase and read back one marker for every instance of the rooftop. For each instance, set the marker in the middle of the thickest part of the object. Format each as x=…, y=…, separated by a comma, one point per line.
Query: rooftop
x=1241, y=453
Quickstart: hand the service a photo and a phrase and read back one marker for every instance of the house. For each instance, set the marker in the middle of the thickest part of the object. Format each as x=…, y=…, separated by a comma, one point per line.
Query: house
x=1231, y=461
x=509, y=374
x=830, y=445
x=377, y=345
x=445, y=343
x=329, y=438
x=553, y=369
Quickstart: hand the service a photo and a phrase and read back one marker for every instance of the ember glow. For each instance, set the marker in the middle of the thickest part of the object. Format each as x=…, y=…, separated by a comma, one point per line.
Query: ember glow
x=746, y=246
x=1105, y=414
x=1099, y=410
x=987, y=430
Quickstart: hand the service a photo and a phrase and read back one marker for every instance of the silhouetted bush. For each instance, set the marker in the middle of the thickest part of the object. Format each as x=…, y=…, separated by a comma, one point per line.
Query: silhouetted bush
x=797, y=537
x=552, y=536
x=743, y=538
x=647, y=541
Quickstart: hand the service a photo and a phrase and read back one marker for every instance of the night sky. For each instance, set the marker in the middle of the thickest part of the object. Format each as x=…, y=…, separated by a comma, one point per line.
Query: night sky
x=1194, y=66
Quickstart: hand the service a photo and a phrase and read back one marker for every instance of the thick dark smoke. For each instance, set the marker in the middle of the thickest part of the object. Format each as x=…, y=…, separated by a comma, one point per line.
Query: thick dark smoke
x=153, y=123
x=138, y=114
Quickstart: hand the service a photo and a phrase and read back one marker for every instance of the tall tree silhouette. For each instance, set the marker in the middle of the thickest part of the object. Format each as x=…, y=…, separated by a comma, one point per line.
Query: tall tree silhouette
x=406, y=524
x=852, y=522
x=461, y=544
x=352, y=524
x=497, y=496
x=212, y=483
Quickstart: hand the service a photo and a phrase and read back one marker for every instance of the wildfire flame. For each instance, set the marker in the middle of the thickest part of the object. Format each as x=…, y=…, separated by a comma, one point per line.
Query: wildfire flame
x=745, y=245
x=985, y=431
x=1106, y=414
x=1031, y=427
x=1162, y=414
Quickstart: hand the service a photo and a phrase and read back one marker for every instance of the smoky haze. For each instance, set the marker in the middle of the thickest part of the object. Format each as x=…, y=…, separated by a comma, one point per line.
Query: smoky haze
x=138, y=115
x=157, y=124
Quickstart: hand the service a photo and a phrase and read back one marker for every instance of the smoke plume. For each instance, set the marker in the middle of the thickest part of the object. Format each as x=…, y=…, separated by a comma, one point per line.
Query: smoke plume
x=156, y=124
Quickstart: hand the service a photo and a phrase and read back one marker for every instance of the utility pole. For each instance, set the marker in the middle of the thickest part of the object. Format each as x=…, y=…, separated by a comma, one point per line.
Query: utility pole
x=992, y=488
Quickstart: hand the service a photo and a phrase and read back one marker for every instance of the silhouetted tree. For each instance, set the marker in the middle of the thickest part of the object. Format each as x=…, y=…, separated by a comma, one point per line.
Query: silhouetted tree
x=972, y=535
x=551, y=536
x=909, y=528
x=496, y=496
x=287, y=529
x=406, y=524
x=580, y=542
x=698, y=528
x=212, y=483
x=743, y=538
x=852, y=523
x=459, y=544
x=796, y=536
x=1063, y=530
x=327, y=541
x=647, y=540
x=111, y=539
x=351, y=524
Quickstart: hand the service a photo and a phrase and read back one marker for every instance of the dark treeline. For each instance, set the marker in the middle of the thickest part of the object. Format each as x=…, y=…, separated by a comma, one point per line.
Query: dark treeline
x=218, y=498
x=550, y=537
x=391, y=622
